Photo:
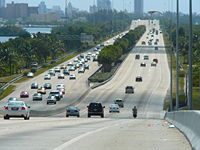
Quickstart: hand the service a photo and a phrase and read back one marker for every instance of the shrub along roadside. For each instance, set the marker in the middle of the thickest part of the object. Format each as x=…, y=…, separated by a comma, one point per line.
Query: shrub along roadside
x=111, y=56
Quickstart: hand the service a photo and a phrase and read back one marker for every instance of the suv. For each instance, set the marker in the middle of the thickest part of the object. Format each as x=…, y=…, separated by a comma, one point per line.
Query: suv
x=129, y=89
x=57, y=94
x=137, y=56
x=95, y=109
x=120, y=102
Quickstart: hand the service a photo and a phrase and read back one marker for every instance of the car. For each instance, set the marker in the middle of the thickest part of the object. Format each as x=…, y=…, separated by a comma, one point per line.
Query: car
x=41, y=90
x=57, y=69
x=30, y=75
x=95, y=109
x=51, y=100
x=153, y=64
x=137, y=56
x=34, y=64
x=72, y=68
x=24, y=94
x=60, y=86
x=95, y=58
x=143, y=64
x=146, y=57
x=61, y=76
x=61, y=90
x=129, y=89
x=72, y=76
x=47, y=77
x=119, y=102
x=156, y=48
x=88, y=57
x=66, y=72
x=86, y=66
x=37, y=96
x=155, y=60
x=155, y=43
x=114, y=108
x=143, y=43
x=138, y=79
x=34, y=86
x=47, y=86
x=57, y=94
x=70, y=64
x=16, y=109
x=51, y=72
x=76, y=60
x=63, y=66
x=81, y=70
x=72, y=111
x=12, y=99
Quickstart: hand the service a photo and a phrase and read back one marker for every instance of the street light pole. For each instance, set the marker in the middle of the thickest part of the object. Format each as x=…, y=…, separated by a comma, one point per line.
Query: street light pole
x=190, y=96
x=177, y=56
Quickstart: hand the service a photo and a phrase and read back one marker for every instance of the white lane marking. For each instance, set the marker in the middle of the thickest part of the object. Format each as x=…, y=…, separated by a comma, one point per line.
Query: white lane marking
x=72, y=141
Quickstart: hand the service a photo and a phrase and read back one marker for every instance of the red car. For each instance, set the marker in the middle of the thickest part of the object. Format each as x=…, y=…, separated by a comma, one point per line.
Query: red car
x=24, y=94
x=61, y=90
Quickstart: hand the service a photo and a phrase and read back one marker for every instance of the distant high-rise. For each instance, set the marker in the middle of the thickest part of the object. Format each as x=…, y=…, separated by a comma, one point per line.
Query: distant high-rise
x=139, y=8
x=104, y=4
x=42, y=9
x=2, y=3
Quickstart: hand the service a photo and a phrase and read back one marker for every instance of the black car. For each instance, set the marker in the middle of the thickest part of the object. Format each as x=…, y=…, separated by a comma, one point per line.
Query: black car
x=47, y=85
x=143, y=64
x=129, y=89
x=34, y=86
x=95, y=109
x=66, y=72
x=138, y=79
x=137, y=56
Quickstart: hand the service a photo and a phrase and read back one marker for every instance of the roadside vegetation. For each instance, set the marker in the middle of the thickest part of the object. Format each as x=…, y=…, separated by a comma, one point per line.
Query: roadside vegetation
x=184, y=46
x=111, y=56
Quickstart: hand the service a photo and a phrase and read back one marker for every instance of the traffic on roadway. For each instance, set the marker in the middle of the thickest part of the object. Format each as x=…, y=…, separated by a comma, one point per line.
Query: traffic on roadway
x=125, y=113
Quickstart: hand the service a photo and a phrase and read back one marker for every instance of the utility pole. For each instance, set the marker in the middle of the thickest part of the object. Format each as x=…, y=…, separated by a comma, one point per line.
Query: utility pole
x=190, y=96
x=177, y=56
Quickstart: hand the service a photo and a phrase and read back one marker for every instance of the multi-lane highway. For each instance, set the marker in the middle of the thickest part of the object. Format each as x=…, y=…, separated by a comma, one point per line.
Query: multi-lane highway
x=115, y=131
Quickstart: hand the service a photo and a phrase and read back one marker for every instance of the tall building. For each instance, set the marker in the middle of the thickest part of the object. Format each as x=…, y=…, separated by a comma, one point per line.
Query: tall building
x=42, y=9
x=139, y=8
x=104, y=4
x=2, y=3
x=93, y=9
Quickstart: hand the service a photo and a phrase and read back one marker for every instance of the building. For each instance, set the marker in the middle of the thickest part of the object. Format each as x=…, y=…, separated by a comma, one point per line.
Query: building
x=2, y=3
x=32, y=10
x=50, y=17
x=16, y=10
x=70, y=11
x=42, y=8
x=139, y=8
x=104, y=4
x=93, y=9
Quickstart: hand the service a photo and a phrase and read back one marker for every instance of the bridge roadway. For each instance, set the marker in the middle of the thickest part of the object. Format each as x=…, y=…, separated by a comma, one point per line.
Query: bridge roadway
x=117, y=131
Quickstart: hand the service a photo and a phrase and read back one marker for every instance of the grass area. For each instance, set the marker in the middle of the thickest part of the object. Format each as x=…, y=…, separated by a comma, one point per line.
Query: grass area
x=8, y=78
x=7, y=91
x=40, y=71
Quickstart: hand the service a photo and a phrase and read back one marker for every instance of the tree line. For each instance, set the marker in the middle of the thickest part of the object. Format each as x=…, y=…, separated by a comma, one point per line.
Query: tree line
x=111, y=54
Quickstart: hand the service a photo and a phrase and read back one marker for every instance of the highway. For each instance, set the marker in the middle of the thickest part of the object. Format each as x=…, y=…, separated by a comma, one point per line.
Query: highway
x=117, y=131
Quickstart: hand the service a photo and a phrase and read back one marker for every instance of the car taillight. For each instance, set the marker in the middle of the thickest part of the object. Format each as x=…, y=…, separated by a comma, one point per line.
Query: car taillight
x=23, y=108
x=6, y=107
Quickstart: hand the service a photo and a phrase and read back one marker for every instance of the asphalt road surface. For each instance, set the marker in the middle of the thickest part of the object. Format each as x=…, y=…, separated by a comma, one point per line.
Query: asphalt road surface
x=117, y=131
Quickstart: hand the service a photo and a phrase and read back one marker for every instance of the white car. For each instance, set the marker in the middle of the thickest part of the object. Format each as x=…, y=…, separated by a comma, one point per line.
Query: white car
x=72, y=76
x=76, y=60
x=30, y=75
x=57, y=69
x=72, y=68
x=70, y=64
x=17, y=109
x=60, y=86
x=61, y=76
x=51, y=72
x=114, y=108
x=47, y=77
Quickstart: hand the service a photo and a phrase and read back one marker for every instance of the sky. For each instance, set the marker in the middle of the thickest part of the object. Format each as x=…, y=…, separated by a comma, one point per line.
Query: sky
x=160, y=5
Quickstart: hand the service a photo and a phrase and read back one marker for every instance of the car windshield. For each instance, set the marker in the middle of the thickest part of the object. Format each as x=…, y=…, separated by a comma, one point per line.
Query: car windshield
x=15, y=103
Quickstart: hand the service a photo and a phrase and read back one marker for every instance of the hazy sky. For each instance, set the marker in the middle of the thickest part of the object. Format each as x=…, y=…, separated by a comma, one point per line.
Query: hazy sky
x=161, y=5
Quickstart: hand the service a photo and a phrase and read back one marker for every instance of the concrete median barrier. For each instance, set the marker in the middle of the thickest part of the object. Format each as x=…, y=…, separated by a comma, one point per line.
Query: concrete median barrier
x=189, y=123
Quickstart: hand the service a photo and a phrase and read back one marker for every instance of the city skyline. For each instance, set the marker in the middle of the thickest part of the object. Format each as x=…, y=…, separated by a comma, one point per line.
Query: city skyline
x=164, y=5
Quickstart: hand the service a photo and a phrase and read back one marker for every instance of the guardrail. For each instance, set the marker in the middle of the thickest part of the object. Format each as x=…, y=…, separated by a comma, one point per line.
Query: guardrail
x=188, y=122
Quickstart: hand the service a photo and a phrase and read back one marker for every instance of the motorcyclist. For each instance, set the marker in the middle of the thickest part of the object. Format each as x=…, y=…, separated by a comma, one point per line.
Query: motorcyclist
x=134, y=112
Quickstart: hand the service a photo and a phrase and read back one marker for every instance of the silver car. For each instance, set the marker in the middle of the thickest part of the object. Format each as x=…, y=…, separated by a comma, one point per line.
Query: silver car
x=17, y=109
x=12, y=99
x=51, y=100
x=72, y=111
x=37, y=96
